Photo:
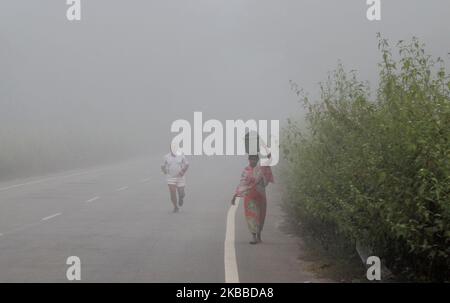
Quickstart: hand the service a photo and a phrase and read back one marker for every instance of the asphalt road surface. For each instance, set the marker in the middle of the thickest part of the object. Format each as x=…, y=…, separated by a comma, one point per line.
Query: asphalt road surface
x=117, y=219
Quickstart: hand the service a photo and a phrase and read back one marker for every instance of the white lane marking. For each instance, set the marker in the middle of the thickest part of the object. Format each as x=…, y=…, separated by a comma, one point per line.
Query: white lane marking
x=50, y=217
x=44, y=180
x=145, y=180
x=231, y=270
x=93, y=199
x=122, y=188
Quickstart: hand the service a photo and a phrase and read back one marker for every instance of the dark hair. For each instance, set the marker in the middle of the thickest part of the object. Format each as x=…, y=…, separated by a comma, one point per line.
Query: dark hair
x=253, y=157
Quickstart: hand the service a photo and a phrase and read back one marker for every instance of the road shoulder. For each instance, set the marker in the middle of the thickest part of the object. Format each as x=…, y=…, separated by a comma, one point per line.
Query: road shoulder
x=279, y=258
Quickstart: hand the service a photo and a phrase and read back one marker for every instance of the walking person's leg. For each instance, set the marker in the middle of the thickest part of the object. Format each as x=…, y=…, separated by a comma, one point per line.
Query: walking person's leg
x=262, y=217
x=251, y=216
x=173, y=196
x=181, y=195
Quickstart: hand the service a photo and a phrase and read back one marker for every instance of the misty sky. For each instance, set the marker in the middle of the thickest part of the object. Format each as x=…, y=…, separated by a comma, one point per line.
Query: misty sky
x=132, y=67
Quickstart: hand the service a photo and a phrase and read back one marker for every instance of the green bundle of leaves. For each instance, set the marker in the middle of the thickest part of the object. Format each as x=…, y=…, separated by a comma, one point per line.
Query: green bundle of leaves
x=377, y=172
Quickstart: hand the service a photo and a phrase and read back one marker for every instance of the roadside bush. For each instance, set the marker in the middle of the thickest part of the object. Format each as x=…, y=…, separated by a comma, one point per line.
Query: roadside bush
x=376, y=171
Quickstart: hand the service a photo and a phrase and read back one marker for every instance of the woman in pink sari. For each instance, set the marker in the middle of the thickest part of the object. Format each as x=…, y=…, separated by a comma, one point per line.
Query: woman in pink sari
x=252, y=188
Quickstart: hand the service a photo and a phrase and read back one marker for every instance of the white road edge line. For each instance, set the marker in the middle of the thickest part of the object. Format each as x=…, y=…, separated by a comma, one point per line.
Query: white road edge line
x=50, y=217
x=122, y=188
x=231, y=269
x=93, y=199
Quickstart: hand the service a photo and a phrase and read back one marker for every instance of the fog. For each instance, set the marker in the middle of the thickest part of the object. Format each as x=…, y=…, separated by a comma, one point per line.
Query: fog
x=108, y=87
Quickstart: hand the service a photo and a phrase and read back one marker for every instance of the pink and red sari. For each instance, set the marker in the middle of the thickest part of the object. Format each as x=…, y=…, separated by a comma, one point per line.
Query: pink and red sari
x=252, y=188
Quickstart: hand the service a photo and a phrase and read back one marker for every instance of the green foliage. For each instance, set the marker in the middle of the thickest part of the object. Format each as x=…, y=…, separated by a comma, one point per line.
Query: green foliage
x=378, y=171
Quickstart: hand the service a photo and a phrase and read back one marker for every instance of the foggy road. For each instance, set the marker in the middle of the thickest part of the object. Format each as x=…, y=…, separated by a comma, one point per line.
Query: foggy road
x=117, y=219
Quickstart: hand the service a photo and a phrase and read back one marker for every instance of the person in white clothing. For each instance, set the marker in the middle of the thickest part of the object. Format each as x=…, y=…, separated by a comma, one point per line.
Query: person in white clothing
x=174, y=167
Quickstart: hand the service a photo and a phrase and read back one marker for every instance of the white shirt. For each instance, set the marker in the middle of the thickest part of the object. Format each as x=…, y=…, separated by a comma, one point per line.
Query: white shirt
x=174, y=164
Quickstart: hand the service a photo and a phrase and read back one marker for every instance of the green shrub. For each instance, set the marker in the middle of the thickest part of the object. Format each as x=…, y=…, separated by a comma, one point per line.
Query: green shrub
x=377, y=170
